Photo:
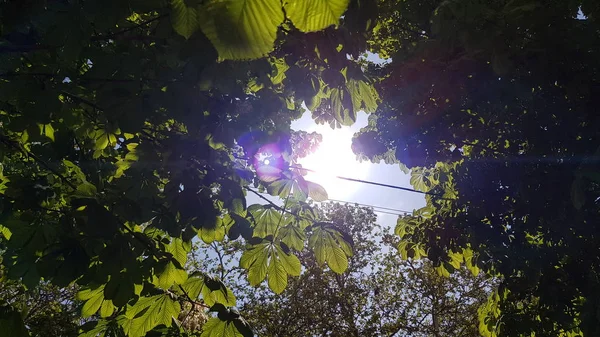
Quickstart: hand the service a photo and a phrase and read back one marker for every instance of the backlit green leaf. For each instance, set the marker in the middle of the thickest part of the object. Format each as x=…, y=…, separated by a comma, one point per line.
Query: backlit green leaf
x=313, y=15
x=293, y=236
x=170, y=275
x=184, y=18
x=255, y=260
x=241, y=29
x=277, y=278
x=316, y=191
x=148, y=313
x=267, y=220
x=93, y=300
x=218, y=328
x=179, y=249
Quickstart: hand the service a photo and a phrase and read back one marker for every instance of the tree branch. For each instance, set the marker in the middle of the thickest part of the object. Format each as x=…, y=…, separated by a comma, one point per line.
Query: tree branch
x=13, y=144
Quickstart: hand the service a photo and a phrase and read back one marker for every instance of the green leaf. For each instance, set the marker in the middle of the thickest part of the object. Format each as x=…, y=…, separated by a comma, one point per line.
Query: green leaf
x=210, y=235
x=277, y=275
x=337, y=259
x=341, y=106
x=279, y=72
x=47, y=130
x=442, y=271
x=184, y=18
x=290, y=262
x=107, y=308
x=470, y=261
x=403, y=249
x=241, y=29
x=149, y=312
x=267, y=220
x=94, y=329
x=85, y=190
x=170, y=275
x=179, y=249
x=197, y=285
x=268, y=260
x=218, y=328
x=102, y=140
x=330, y=248
x=93, y=300
x=455, y=259
x=316, y=191
x=420, y=179
x=314, y=15
x=293, y=236
x=281, y=187
x=4, y=231
x=255, y=260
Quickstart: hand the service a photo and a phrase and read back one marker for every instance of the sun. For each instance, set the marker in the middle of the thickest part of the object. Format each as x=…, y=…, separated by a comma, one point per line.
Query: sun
x=334, y=157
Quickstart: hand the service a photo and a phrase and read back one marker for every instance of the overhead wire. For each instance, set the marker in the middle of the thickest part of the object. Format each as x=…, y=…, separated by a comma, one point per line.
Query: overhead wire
x=368, y=182
x=398, y=211
x=362, y=181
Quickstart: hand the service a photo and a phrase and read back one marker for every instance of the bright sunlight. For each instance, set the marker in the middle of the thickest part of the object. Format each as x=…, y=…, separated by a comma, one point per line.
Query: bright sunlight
x=334, y=157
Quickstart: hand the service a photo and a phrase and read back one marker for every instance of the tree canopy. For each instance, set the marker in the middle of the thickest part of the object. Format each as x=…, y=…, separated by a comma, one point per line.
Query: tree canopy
x=127, y=131
x=492, y=107
x=132, y=128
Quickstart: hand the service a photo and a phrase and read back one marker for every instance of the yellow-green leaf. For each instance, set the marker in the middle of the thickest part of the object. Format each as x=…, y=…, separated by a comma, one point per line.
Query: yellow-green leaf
x=337, y=259
x=85, y=190
x=255, y=260
x=314, y=15
x=241, y=29
x=290, y=262
x=170, y=275
x=218, y=328
x=184, y=18
x=107, y=308
x=455, y=259
x=277, y=275
x=267, y=220
x=93, y=298
x=149, y=312
x=179, y=249
x=316, y=191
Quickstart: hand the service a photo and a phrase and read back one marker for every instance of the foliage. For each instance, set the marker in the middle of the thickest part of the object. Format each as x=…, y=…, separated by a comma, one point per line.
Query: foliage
x=492, y=106
x=378, y=295
x=45, y=310
x=123, y=139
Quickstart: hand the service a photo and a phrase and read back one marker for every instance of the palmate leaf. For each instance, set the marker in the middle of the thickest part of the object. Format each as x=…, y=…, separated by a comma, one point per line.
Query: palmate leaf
x=330, y=247
x=293, y=236
x=241, y=29
x=94, y=301
x=342, y=107
x=179, y=249
x=209, y=235
x=170, y=275
x=212, y=290
x=364, y=96
x=268, y=260
x=267, y=220
x=313, y=15
x=421, y=179
x=147, y=313
x=316, y=191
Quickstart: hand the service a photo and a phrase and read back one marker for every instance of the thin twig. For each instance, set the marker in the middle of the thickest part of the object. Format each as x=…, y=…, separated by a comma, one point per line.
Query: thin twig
x=269, y=201
x=12, y=144
x=123, y=31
